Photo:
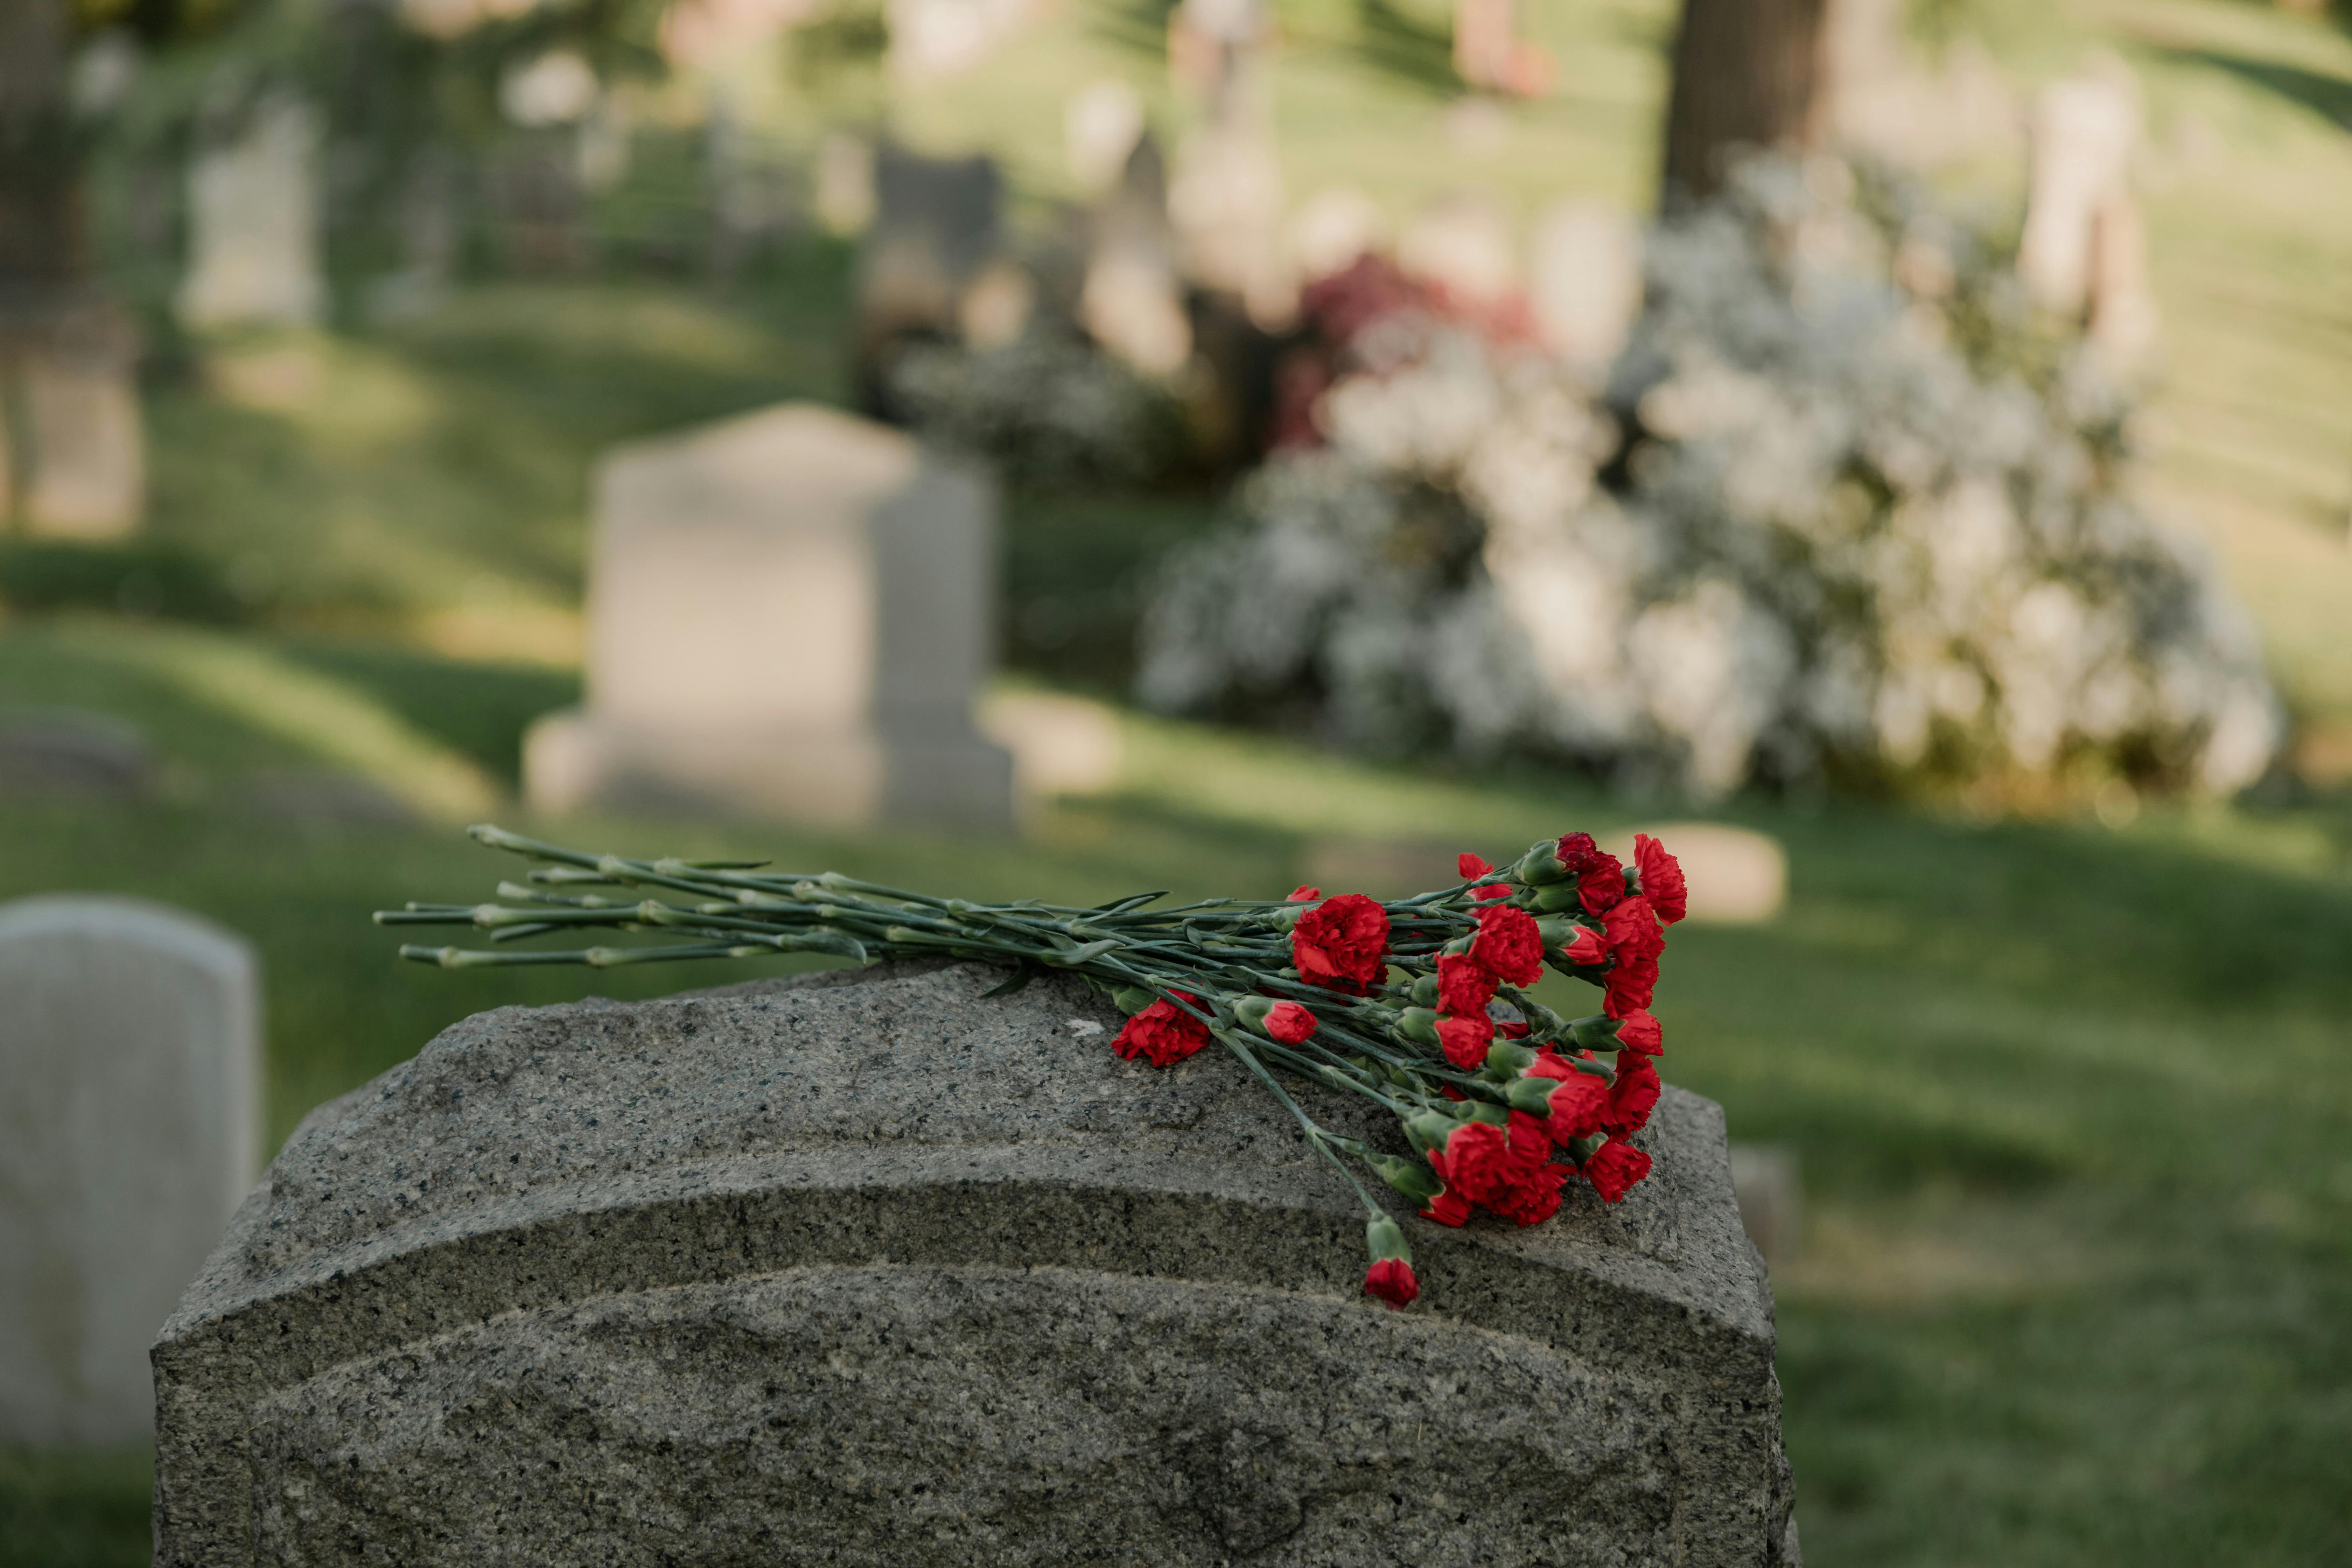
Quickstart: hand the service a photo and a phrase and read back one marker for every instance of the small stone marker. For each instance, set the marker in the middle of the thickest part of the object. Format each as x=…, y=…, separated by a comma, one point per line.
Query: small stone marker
x=1737, y=876
x=2084, y=248
x=129, y=1083
x=63, y=752
x=788, y=618
x=1132, y=301
x=870, y=1268
x=1461, y=242
x=1771, y=1198
x=1586, y=283
x=935, y=228
x=253, y=225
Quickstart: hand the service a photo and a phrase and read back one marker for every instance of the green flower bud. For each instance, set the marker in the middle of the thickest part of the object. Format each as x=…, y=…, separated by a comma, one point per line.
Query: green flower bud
x=1532, y=1095
x=1417, y=1024
x=1413, y=1178
x=1423, y=991
x=1132, y=999
x=1509, y=1058
x=1559, y=899
x=1540, y=865
x=1598, y=1033
x=1430, y=1128
x=1385, y=1238
x=1492, y=1115
x=1252, y=1011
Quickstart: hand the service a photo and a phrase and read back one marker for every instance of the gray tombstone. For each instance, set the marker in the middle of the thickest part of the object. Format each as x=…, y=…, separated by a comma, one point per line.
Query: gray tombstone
x=870, y=1268
x=936, y=226
x=788, y=618
x=253, y=223
x=79, y=755
x=130, y=1092
x=70, y=368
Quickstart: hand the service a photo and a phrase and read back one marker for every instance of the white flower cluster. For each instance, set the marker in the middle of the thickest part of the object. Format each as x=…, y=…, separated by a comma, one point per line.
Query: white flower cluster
x=1845, y=512
x=1047, y=410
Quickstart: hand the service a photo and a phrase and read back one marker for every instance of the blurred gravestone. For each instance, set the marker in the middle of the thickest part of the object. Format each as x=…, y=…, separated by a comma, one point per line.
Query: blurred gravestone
x=1101, y=126
x=1462, y=243
x=2083, y=249
x=935, y=228
x=873, y=1268
x=1132, y=302
x=932, y=39
x=1336, y=226
x=1771, y=1198
x=1735, y=875
x=130, y=1042
x=253, y=223
x=80, y=470
x=77, y=755
x=844, y=183
x=1586, y=283
x=788, y=618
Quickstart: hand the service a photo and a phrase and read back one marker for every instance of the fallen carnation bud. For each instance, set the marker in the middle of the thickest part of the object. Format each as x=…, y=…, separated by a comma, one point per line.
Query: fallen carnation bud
x=1162, y=1034
x=1615, y=1169
x=1392, y=1281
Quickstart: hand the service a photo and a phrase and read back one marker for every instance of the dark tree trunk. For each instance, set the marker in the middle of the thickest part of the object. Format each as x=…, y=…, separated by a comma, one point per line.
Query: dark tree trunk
x=43, y=249
x=1748, y=74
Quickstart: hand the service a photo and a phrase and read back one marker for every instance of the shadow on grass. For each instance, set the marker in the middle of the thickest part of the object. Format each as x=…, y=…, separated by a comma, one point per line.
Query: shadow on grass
x=2325, y=95
x=478, y=709
x=1405, y=49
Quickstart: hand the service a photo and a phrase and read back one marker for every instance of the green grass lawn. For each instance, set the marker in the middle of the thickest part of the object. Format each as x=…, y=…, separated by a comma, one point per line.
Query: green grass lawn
x=2070, y=1100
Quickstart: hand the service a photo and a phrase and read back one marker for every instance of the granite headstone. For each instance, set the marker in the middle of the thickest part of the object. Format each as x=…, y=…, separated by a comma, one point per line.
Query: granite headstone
x=130, y=1045
x=788, y=618
x=873, y=1268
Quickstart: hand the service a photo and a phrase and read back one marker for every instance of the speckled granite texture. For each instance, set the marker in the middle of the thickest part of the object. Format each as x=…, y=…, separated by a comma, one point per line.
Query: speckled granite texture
x=868, y=1270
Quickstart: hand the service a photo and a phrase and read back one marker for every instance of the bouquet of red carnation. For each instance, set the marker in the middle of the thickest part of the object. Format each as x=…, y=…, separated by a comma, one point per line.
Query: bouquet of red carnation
x=1421, y=1004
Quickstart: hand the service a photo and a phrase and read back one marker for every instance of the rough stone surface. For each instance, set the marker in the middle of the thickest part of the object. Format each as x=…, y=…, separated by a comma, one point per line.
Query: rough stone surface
x=868, y=1268
x=128, y=1120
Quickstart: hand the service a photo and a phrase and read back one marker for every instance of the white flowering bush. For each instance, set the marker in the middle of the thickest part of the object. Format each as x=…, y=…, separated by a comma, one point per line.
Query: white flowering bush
x=1845, y=512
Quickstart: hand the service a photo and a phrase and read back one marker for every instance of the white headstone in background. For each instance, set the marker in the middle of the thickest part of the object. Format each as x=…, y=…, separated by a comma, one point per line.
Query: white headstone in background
x=932, y=39
x=1132, y=301
x=2085, y=128
x=85, y=456
x=253, y=225
x=1585, y=284
x=1461, y=242
x=1337, y=226
x=1100, y=128
x=788, y=618
x=1736, y=875
x=130, y=1116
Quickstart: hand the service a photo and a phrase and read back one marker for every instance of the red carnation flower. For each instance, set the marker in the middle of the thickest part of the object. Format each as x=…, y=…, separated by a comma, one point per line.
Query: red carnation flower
x=1533, y=1199
x=1303, y=894
x=1585, y=950
x=1662, y=879
x=1390, y=1280
x=1449, y=1206
x=1630, y=987
x=1464, y=1039
x=1463, y=983
x=1632, y=1098
x=1342, y=943
x=1490, y=892
x=1469, y=867
x=1162, y=1034
x=1600, y=879
x=1530, y=1143
x=1509, y=945
x=1615, y=1168
x=1637, y=1031
x=1579, y=1105
x=1289, y=1023
x=1513, y=1029
x=1477, y=1161
x=1630, y=929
